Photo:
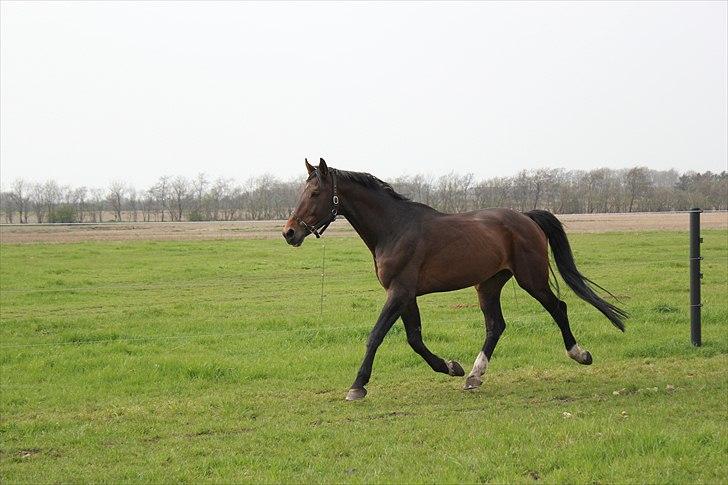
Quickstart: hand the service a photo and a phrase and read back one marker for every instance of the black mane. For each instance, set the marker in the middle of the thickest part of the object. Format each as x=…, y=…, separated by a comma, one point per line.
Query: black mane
x=370, y=181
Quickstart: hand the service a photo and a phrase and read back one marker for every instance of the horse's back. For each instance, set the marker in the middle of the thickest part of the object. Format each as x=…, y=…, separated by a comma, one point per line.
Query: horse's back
x=465, y=249
x=517, y=223
x=495, y=223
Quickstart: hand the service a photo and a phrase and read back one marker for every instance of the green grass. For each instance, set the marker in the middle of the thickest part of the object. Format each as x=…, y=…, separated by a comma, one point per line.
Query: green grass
x=209, y=361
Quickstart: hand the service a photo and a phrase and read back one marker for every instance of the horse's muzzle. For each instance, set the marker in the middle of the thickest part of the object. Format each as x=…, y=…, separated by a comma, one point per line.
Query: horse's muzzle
x=289, y=234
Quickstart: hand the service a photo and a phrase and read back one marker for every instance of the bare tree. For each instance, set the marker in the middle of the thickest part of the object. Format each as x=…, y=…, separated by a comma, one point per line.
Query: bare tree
x=7, y=207
x=417, y=188
x=117, y=191
x=199, y=210
x=149, y=205
x=78, y=203
x=261, y=197
x=452, y=191
x=541, y=181
x=44, y=198
x=161, y=193
x=36, y=202
x=638, y=183
x=97, y=202
x=179, y=190
x=20, y=196
x=132, y=202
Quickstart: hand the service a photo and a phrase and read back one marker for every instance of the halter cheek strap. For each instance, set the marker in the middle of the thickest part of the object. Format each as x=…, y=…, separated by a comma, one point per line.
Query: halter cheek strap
x=319, y=228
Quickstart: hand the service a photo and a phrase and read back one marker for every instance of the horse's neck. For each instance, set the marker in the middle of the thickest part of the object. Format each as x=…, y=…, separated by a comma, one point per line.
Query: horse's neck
x=375, y=216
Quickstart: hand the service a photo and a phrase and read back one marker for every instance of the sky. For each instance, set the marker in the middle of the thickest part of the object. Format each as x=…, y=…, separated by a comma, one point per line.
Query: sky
x=92, y=92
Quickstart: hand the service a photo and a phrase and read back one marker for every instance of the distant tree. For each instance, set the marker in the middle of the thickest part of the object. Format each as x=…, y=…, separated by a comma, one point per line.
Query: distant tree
x=20, y=197
x=148, y=205
x=708, y=190
x=453, y=191
x=36, y=202
x=51, y=197
x=77, y=200
x=7, y=207
x=116, y=193
x=199, y=210
x=161, y=193
x=261, y=197
x=132, y=202
x=179, y=191
x=638, y=185
x=98, y=204
x=418, y=188
x=541, y=182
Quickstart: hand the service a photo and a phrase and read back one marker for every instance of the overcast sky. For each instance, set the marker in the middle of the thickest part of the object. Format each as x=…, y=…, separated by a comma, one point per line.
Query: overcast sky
x=91, y=92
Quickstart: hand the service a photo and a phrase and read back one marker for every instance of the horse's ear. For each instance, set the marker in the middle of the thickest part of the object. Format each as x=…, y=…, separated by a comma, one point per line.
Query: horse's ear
x=309, y=167
x=323, y=169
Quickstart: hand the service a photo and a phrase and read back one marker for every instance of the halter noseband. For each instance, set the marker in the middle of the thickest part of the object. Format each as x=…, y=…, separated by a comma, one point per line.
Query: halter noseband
x=319, y=228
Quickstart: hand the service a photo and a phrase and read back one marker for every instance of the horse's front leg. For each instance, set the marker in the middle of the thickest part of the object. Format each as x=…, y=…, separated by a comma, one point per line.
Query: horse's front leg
x=413, y=326
x=397, y=301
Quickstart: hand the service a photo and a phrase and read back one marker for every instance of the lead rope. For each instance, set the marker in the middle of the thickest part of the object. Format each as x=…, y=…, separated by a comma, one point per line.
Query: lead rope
x=323, y=272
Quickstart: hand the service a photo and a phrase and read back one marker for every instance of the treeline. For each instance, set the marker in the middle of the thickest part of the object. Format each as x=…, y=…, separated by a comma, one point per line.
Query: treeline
x=266, y=197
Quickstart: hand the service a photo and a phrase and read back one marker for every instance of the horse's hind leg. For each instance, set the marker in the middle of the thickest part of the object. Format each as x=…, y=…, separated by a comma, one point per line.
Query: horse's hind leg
x=412, y=324
x=489, y=297
x=536, y=283
x=557, y=309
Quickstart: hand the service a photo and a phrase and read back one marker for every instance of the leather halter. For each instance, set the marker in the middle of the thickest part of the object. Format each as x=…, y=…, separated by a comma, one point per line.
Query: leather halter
x=319, y=228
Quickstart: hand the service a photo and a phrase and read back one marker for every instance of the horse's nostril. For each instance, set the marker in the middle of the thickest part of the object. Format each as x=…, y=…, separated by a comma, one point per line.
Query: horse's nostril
x=289, y=234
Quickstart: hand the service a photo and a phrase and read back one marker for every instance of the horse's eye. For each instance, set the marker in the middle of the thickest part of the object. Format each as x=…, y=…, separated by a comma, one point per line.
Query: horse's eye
x=315, y=194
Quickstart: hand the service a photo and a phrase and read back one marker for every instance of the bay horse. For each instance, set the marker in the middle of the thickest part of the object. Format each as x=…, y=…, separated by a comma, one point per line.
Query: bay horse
x=418, y=250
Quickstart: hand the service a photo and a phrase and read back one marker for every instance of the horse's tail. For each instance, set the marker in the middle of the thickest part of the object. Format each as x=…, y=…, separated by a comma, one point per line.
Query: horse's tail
x=564, y=258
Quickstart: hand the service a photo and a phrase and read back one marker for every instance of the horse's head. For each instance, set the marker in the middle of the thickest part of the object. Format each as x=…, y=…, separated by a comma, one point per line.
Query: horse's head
x=317, y=206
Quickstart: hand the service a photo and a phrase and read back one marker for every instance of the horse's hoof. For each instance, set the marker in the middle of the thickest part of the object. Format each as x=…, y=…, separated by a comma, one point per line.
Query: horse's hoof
x=454, y=368
x=472, y=382
x=580, y=355
x=356, y=394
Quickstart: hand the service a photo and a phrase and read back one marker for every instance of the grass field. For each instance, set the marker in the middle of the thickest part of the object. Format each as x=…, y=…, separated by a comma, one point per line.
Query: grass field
x=209, y=361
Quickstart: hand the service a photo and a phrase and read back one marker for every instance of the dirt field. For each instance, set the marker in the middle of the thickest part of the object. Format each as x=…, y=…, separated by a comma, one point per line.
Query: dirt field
x=271, y=229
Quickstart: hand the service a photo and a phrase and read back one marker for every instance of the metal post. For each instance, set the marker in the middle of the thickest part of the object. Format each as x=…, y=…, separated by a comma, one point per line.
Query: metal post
x=695, y=276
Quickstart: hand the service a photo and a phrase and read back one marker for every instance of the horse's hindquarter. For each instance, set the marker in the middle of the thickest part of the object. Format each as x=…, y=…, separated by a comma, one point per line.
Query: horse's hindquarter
x=464, y=249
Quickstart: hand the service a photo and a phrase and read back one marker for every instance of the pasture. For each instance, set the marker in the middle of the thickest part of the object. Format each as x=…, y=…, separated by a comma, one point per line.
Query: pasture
x=208, y=360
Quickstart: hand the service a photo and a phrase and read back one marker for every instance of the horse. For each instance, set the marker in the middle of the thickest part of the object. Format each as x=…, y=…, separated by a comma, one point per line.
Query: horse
x=418, y=250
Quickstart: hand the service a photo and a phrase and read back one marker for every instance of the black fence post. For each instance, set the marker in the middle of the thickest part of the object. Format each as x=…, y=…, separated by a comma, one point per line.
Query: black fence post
x=695, y=276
